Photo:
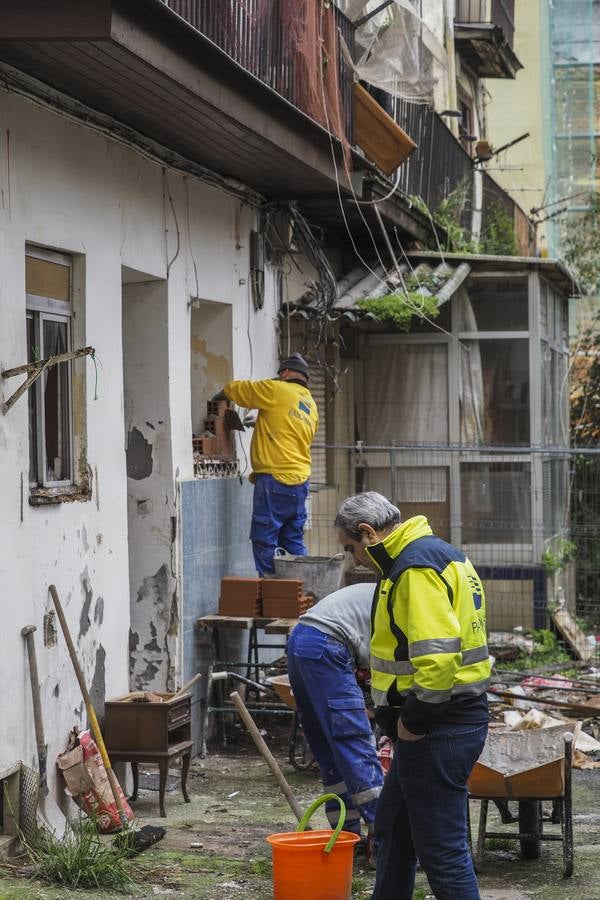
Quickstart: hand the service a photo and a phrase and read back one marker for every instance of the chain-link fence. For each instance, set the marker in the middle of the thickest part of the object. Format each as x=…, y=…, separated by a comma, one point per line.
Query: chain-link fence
x=527, y=517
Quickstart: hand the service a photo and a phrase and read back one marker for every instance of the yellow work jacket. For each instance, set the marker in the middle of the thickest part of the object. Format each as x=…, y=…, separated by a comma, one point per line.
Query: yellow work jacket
x=428, y=638
x=285, y=427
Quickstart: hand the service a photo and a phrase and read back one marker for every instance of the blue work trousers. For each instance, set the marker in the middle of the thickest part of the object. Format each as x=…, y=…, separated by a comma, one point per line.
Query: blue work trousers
x=331, y=708
x=422, y=814
x=278, y=518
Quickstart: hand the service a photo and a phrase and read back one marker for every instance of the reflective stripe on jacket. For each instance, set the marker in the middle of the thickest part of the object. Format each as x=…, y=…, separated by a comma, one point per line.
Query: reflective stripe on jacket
x=428, y=628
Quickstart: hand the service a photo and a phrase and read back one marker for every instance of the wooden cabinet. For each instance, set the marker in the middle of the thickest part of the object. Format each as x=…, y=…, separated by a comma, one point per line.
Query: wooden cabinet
x=136, y=731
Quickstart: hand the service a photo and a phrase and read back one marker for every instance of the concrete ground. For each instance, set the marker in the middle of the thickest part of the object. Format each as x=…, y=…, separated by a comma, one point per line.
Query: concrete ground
x=235, y=804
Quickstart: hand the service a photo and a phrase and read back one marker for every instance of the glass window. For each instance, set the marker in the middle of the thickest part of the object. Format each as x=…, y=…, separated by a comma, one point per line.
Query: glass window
x=405, y=394
x=496, y=503
x=555, y=478
x=56, y=402
x=50, y=404
x=497, y=304
x=495, y=392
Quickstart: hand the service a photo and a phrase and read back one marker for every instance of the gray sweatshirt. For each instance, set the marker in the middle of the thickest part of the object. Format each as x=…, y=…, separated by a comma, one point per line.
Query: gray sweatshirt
x=346, y=615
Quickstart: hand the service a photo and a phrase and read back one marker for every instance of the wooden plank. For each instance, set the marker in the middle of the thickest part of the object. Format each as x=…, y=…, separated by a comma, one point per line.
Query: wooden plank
x=573, y=635
x=29, y=381
x=241, y=623
x=49, y=361
x=280, y=626
x=375, y=131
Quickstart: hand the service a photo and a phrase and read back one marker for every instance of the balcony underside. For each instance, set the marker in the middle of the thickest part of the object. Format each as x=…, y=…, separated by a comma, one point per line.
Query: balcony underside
x=141, y=64
x=486, y=50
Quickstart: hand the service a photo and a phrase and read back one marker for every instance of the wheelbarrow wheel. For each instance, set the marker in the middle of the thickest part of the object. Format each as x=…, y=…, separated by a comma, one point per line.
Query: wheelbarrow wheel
x=530, y=828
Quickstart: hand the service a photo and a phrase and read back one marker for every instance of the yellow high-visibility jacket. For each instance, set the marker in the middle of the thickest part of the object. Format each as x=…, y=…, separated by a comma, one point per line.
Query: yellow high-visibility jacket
x=285, y=427
x=428, y=638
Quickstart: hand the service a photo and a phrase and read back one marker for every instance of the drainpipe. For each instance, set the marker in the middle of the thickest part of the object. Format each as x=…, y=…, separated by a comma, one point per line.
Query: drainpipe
x=449, y=6
x=477, y=209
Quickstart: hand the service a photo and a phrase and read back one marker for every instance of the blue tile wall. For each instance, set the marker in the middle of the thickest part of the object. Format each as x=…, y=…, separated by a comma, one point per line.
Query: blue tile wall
x=215, y=525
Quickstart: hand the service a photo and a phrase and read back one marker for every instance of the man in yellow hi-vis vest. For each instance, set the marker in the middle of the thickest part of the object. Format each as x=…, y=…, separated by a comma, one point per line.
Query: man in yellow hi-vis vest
x=430, y=669
x=280, y=454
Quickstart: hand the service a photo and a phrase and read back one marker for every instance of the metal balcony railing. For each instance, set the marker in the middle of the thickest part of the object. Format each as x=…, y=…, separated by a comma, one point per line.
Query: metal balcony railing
x=490, y=12
x=439, y=164
x=252, y=33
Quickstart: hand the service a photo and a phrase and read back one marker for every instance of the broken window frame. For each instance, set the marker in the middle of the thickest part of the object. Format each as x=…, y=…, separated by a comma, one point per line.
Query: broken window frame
x=41, y=309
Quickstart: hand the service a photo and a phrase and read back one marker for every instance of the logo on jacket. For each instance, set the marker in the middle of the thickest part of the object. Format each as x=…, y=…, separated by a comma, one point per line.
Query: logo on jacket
x=476, y=590
x=304, y=407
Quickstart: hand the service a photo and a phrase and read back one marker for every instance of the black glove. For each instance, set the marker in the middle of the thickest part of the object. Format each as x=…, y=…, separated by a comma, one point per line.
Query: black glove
x=387, y=719
x=220, y=396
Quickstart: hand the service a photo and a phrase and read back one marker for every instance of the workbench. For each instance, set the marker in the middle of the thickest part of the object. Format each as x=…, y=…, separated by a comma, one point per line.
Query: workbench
x=252, y=664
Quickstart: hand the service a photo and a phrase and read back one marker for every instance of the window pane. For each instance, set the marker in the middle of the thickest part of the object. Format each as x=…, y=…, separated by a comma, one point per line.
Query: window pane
x=496, y=503
x=56, y=403
x=495, y=392
x=497, y=304
x=32, y=355
x=405, y=394
x=555, y=475
x=47, y=279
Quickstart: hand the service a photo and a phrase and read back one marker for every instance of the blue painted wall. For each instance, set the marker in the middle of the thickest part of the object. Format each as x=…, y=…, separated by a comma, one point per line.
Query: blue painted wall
x=215, y=526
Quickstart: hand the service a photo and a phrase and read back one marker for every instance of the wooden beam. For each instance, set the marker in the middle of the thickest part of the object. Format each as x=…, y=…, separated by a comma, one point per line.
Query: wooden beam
x=33, y=377
x=35, y=369
x=49, y=361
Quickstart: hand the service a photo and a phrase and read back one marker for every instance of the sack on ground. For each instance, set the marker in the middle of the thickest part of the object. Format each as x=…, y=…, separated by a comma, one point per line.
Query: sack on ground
x=87, y=783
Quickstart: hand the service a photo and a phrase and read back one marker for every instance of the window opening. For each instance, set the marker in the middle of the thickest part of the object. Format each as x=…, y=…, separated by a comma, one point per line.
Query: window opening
x=49, y=314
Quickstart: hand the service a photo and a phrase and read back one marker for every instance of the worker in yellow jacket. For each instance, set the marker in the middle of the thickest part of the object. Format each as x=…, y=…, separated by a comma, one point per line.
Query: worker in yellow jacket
x=430, y=669
x=280, y=455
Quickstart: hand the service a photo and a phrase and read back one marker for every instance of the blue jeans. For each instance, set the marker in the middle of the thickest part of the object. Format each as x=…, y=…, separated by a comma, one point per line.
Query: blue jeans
x=331, y=708
x=422, y=814
x=278, y=517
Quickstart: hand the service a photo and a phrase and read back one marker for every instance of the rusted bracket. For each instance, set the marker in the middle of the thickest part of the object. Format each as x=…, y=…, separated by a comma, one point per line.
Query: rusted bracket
x=35, y=369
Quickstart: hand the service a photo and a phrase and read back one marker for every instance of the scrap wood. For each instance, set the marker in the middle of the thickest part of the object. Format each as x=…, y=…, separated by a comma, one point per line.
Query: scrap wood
x=573, y=635
x=588, y=709
x=582, y=761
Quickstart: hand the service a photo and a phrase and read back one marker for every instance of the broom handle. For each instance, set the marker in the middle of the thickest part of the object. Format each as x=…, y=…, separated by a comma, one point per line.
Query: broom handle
x=266, y=754
x=112, y=778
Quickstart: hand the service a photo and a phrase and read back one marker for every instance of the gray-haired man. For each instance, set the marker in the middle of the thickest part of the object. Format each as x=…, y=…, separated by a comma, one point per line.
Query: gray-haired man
x=429, y=673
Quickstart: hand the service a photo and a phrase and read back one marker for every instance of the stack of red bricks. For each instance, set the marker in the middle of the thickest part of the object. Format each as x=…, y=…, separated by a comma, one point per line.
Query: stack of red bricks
x=283, y=598
x=241, y=597
x=216, y=441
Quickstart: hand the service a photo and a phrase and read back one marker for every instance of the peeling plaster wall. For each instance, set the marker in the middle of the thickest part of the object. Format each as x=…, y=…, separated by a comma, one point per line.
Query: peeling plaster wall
x=150, y=497
x=66, y=187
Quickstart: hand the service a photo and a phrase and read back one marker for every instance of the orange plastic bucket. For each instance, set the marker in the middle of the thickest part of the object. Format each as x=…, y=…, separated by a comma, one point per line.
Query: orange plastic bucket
x=313, y=865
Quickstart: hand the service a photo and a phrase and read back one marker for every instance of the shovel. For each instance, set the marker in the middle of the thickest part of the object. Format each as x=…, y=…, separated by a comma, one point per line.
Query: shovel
x=49, y=813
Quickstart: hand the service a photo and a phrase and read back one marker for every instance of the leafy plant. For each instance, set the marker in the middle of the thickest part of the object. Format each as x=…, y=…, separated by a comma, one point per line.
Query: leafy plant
x=558, y=554
x=498, y=238
x=400, y=308
x=580, y=246
x=449, y=215
x=80, y=860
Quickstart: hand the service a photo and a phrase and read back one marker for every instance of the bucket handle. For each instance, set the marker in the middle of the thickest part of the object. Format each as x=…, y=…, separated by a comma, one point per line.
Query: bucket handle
x=313, y=807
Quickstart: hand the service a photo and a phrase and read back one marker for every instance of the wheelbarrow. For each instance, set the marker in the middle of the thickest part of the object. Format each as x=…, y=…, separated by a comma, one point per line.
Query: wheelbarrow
x=505, y=772
x=299, y=753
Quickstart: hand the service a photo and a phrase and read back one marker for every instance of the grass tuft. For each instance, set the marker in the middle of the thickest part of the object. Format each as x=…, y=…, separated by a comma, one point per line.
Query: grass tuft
x=80, y=860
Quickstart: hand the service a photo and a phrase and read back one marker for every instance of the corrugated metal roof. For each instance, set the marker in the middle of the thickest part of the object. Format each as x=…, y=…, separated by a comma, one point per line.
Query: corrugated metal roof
x=441, y=281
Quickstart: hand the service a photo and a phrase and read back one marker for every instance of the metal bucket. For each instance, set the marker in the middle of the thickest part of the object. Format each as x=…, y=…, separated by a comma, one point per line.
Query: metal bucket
x=321, y=575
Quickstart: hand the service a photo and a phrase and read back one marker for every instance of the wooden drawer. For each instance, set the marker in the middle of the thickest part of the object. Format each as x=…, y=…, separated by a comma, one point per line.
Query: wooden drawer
x=179, y=715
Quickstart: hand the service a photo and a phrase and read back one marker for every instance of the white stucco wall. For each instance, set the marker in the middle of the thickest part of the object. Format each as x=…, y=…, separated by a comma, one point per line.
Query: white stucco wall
x=64, y=186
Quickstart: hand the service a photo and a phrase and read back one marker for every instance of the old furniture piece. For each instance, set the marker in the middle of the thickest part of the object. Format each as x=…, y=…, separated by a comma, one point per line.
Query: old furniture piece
x=529, y=767
x=138, y=731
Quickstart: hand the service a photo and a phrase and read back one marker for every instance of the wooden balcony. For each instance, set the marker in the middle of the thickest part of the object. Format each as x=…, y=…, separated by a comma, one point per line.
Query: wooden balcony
x=484, y=33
